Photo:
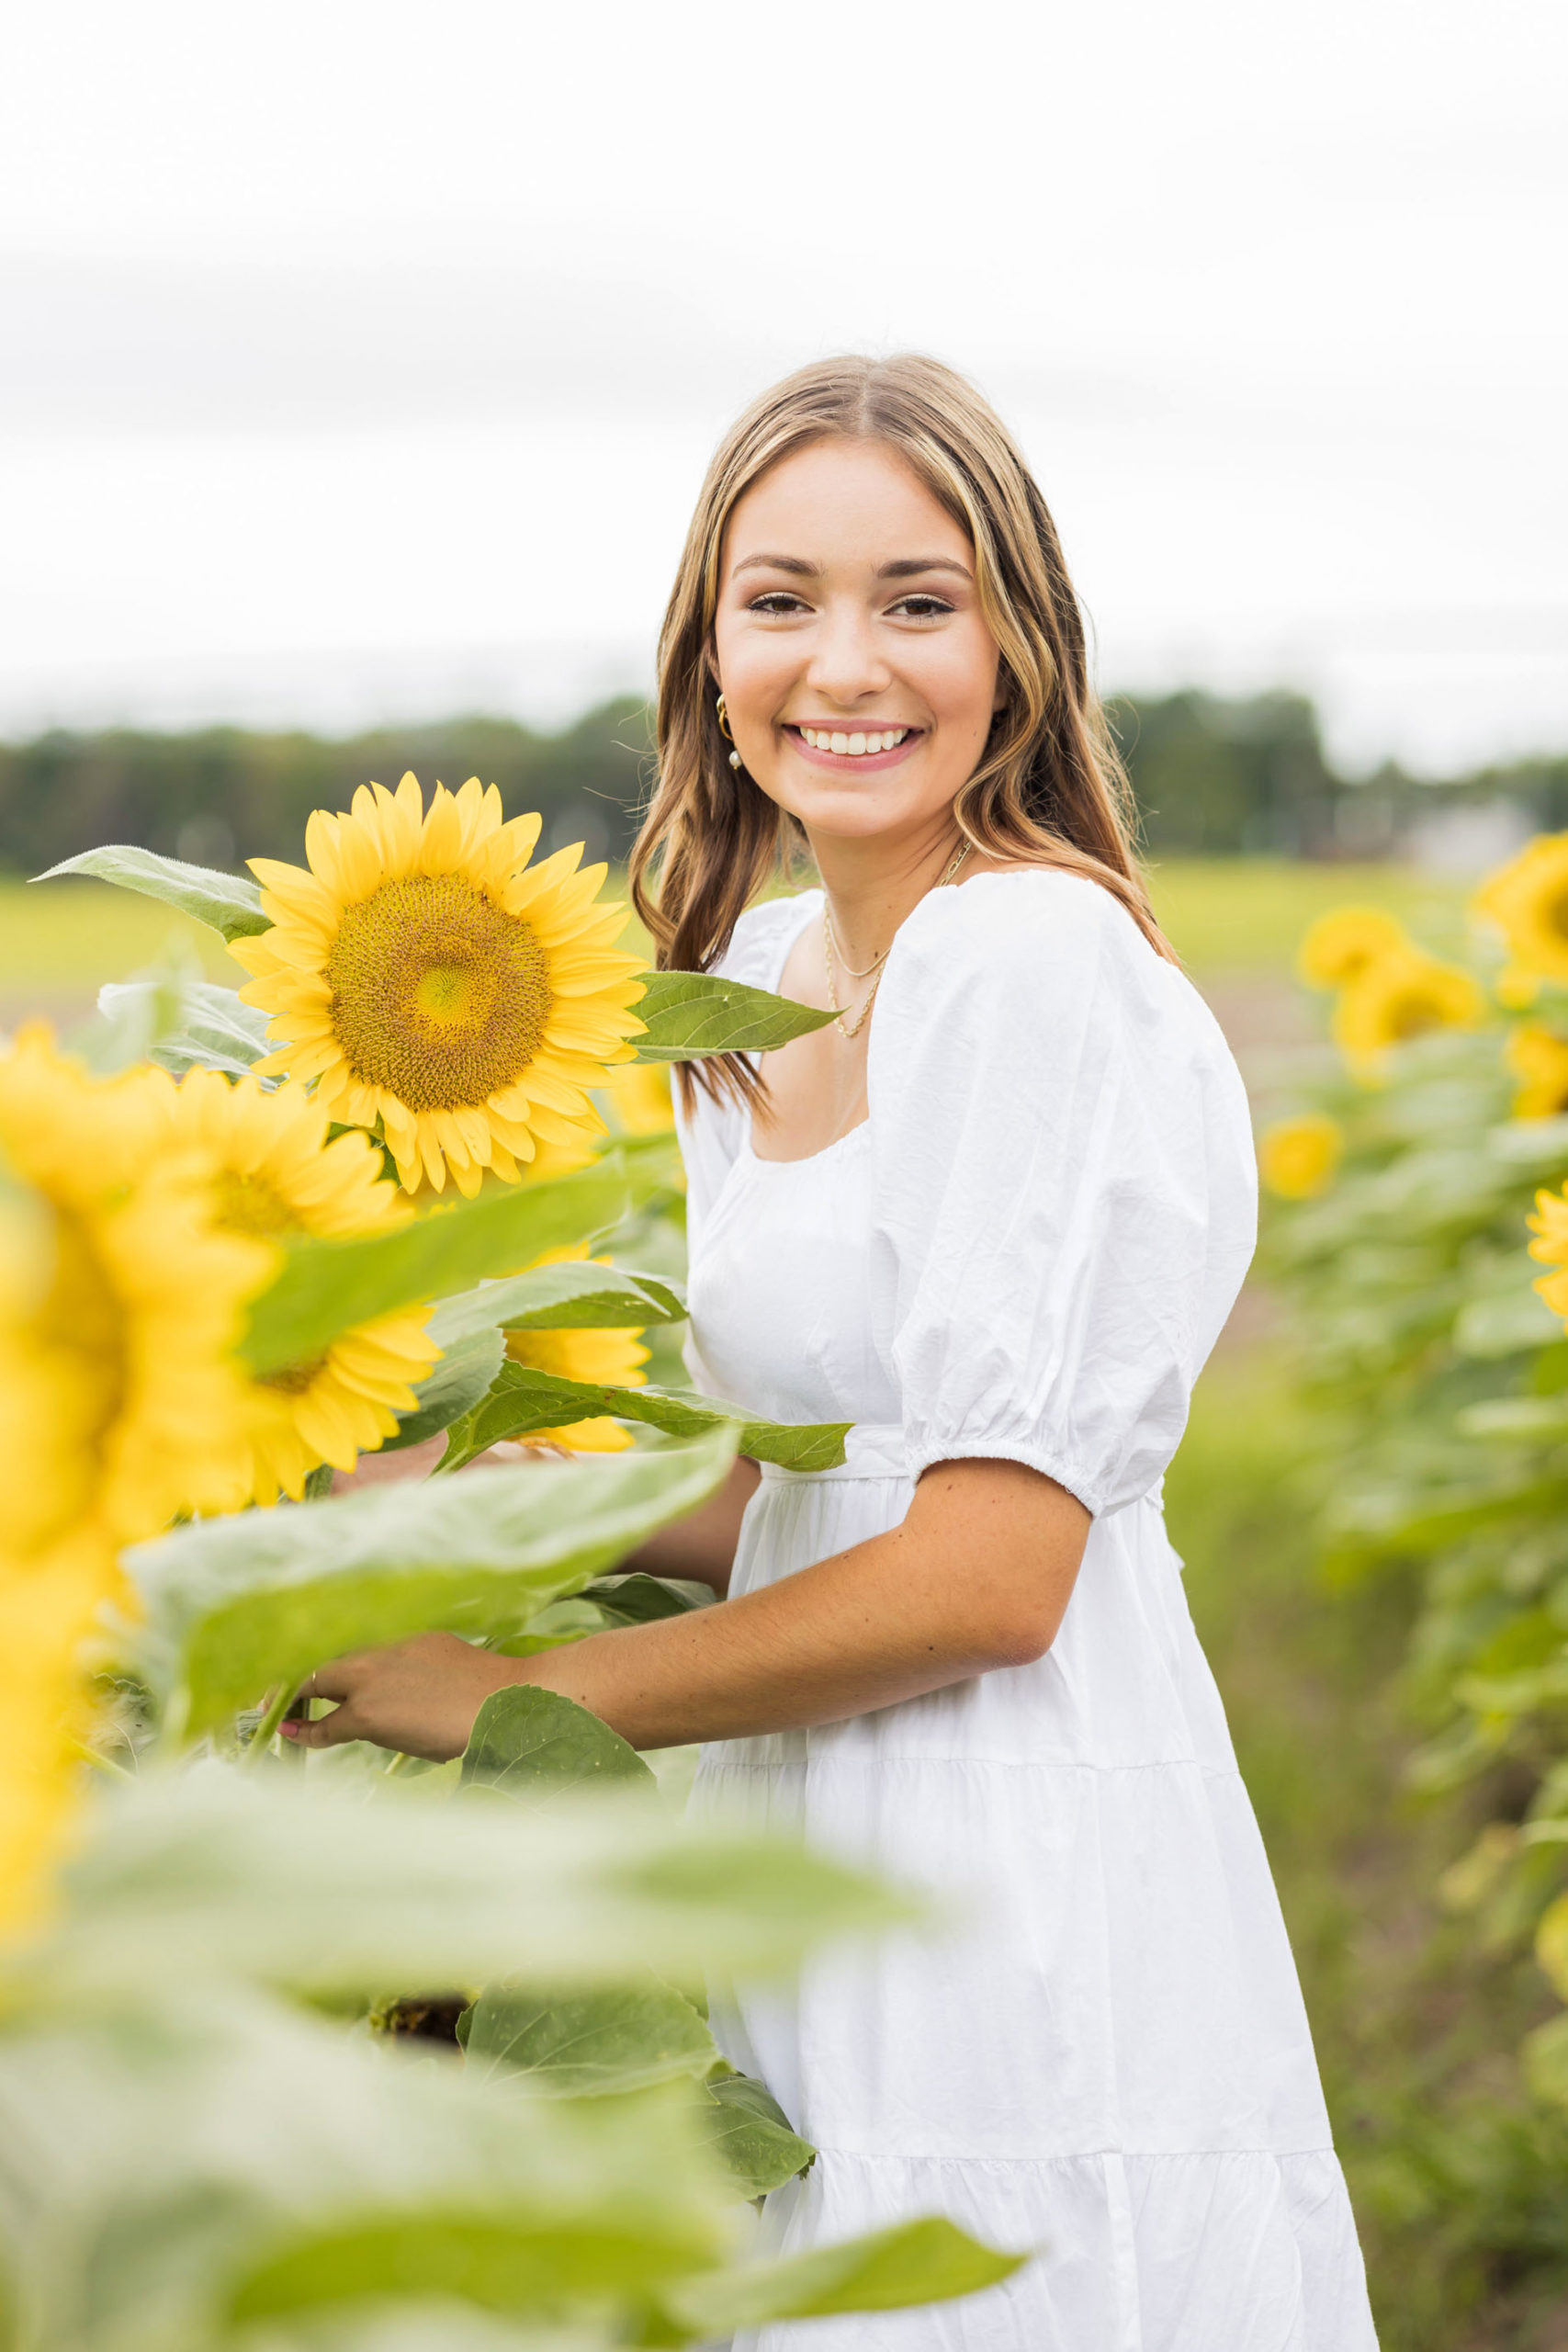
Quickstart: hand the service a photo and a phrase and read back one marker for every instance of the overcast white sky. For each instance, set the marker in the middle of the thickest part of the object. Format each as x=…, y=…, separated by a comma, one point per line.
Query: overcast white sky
x=362, y=360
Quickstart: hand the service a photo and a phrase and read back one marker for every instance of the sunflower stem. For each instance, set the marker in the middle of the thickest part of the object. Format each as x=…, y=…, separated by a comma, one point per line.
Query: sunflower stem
x=99, y=1762
x=265, y=1732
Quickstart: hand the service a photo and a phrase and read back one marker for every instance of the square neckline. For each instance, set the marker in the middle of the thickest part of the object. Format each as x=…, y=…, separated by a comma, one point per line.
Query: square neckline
x=804, y=1159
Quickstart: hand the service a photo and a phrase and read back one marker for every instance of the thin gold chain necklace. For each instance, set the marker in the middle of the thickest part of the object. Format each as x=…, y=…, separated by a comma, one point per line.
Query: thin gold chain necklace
x=829, y=944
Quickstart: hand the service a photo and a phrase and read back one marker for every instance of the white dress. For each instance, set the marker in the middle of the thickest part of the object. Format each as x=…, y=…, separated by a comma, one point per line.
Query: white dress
x=1025, y=1253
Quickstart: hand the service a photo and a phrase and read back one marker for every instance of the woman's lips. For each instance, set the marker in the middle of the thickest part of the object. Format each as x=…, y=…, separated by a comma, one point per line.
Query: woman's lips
x=856, y=763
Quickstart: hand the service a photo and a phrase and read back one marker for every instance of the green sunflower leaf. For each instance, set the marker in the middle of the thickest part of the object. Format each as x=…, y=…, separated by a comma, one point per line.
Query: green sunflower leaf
x=570, y=1297
x=749, y=2134
x=688, y=1014
x=532, y=1744
x=228, y=903
x=233, y=1607
x=187, y=1023
x=326, y=1287
x=917, y=2262
x=608, y=2039
x=523, y=1399
x=463, y=1374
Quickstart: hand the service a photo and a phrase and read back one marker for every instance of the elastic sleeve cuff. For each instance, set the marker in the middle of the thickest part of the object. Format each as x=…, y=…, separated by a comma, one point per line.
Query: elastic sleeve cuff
x=1070, y=1474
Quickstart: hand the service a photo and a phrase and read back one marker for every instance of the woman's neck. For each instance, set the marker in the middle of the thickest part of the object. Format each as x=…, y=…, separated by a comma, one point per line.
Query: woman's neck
x=872, y=886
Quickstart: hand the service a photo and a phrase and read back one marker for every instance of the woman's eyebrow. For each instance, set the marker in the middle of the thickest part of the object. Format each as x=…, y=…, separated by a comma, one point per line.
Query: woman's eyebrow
x=793, y=563
x=908, y=565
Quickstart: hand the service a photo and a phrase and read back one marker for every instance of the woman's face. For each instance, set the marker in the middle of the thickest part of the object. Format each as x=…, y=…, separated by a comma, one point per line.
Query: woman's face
x=859, y=674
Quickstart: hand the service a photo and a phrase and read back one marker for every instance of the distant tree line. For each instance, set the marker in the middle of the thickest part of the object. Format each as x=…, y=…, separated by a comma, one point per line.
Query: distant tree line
x=1214, y=778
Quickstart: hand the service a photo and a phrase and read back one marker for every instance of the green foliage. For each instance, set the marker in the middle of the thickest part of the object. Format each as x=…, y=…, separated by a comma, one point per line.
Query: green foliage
x=236, y=1607
x=532, y=1744
x=1436, y=1378
x=687, y=1015
x=229, y=903
x=523, y=1399
x=326, y=1287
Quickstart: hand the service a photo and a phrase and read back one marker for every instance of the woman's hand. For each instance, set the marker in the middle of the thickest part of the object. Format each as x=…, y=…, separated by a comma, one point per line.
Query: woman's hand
x=420, y=1696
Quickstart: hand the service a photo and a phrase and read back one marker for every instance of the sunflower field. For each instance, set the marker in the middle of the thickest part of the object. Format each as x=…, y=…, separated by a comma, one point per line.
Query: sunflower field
x=332, y=2050
x=1417, y=1238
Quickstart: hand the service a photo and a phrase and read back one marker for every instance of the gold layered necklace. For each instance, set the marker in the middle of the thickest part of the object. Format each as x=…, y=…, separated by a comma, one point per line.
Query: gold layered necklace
x=831, y=949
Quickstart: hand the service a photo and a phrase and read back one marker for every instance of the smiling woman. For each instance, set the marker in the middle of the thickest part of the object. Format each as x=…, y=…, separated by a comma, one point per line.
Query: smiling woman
x=994, y=1215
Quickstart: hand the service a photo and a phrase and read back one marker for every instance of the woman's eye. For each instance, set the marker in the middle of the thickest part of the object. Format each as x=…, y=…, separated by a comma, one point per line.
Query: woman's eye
x=923, y=608
x=777, y=600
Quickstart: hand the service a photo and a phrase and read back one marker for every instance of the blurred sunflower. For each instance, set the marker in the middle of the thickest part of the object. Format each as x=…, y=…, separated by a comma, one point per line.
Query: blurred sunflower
x=1299, y=1159
x=437, y=987
x=277, y=1177
x=1539, y=1059
x=1528, y=899
x=1549, y=1224
x=49, y=1606
x=608, y=1359
x=1343, y=943
x=130, y=1309
x=49, y=1599
x=638, y=1097
x=1397, y=997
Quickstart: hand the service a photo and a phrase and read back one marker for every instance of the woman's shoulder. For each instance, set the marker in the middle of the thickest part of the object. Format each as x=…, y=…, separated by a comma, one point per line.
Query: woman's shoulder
x=1037, y=937
x=762, y=937
x=1036, y=916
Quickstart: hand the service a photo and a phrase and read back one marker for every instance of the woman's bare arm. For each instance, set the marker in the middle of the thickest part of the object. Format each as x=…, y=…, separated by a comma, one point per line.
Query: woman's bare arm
x=976, y=1577
x=701, y=1547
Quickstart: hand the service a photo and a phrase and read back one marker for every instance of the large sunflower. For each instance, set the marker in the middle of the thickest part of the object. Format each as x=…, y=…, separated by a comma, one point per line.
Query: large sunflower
x=276, y=1176
x=608, y=1359
x=1528, y=899
x=438, y=988
x=1397, y=997
x=136, y=1304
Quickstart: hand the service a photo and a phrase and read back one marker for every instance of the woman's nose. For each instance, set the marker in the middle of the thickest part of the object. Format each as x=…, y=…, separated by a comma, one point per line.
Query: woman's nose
x=845, y=661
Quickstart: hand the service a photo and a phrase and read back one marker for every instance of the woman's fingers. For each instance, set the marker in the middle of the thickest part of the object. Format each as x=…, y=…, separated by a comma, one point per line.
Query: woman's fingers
x=331, y=1732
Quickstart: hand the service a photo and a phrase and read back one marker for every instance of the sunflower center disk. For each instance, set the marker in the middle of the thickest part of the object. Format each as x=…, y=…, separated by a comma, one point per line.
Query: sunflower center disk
x=437, y=996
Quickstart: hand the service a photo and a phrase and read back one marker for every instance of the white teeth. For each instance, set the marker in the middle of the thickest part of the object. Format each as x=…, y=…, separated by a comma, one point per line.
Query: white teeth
x=853, y=747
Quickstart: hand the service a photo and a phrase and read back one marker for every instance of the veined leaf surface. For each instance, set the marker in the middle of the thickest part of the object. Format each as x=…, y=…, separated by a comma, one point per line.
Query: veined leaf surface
x=229, y=903
x=233, y=1607
x=573, y=1297
x=688, y=1014
x=523, y=1399
x=532, y=1744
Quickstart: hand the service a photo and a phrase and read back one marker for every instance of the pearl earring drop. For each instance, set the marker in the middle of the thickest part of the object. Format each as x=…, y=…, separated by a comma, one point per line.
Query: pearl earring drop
x=735, y=759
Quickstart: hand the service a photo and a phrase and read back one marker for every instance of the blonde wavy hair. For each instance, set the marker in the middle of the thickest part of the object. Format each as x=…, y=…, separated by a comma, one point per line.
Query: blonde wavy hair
x=1050, y=788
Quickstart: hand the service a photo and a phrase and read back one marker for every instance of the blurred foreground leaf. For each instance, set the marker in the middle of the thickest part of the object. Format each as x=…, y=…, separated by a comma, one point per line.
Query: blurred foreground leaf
x=233, y=1607
x=326, y=1287
x=218, y=1875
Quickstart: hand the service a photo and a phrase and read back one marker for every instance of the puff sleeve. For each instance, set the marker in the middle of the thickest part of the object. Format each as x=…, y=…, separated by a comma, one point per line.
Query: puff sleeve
x=1063, y=1179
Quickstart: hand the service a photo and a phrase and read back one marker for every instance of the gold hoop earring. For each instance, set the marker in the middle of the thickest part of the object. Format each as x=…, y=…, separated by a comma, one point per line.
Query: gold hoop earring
x=723, y=717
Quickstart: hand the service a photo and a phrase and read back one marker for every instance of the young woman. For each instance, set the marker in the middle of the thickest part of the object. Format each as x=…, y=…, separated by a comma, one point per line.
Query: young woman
x=995, y=1215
